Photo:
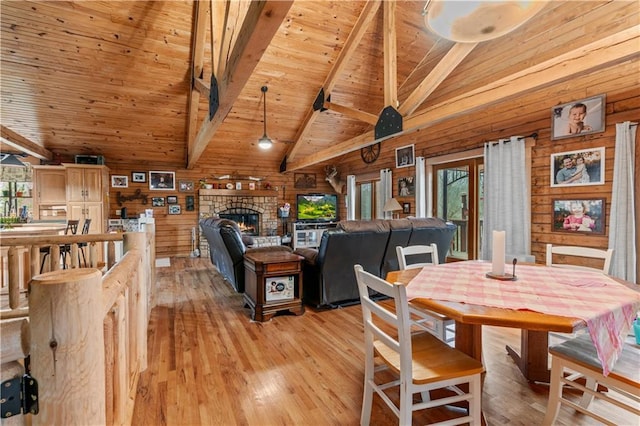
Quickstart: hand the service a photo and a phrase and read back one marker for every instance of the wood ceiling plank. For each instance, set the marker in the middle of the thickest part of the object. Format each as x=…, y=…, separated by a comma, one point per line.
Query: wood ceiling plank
x=366, y=16
x=260, y=25
x=603, y=53
x=23, y=144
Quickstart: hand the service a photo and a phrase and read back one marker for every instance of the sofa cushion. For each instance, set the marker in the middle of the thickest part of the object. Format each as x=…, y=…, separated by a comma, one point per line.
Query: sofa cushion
x=427, y=222
x=377, y=225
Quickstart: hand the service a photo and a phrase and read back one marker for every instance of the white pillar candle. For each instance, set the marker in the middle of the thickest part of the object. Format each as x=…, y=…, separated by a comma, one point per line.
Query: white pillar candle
x=497, y=253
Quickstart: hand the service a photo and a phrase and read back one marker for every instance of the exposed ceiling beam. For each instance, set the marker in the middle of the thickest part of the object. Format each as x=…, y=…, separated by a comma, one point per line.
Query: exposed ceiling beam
x=366, y=16
x=390, y=55
x=602, y=53
x=23, y=144
x=197, y=65
x=352, y=112
x=452, y=59
x=258, y=28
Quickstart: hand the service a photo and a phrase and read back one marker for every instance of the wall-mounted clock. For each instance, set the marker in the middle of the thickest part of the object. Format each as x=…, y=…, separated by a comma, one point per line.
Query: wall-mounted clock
x=370, y=153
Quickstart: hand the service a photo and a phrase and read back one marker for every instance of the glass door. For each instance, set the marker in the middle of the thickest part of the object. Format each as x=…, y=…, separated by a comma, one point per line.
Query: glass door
x=365, y=200
x=458, y=198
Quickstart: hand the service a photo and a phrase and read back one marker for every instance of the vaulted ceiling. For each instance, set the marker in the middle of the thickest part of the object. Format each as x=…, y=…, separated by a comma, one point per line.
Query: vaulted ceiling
x=130, y=80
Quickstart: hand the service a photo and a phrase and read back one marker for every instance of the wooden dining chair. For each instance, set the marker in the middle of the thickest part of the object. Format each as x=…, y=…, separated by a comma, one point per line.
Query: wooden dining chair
x=575, y=253
x=419, y=362
x=439, y=325
x=81, y=246
x=575, y=360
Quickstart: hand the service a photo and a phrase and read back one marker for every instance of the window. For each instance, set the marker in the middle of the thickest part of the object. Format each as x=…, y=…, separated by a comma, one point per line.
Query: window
x=366, y=200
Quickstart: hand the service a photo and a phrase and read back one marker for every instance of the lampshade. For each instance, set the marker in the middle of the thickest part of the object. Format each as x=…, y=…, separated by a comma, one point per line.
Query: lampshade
x=391, y=205
x=476, y=21
x=265, y=142
x=11, y=160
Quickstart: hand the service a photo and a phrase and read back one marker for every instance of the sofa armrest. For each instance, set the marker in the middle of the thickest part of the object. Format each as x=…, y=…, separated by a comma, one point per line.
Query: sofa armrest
x=310, y=255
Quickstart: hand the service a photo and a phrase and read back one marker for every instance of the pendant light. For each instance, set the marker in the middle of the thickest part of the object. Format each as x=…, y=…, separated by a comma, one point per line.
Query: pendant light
x=264, y=142
x=11, y=160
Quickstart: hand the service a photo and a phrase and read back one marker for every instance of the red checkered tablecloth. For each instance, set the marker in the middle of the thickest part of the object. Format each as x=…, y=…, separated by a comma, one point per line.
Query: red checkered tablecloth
x=607, y=306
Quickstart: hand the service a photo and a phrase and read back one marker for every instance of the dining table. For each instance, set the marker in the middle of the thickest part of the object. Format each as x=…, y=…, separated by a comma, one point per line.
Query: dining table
x=540, y=299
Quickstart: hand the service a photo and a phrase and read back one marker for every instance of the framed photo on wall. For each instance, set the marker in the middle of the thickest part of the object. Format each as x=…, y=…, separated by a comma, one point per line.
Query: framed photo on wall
x=406, y=186
x=172, y=199
x=138, y=177
x=577, y=118
x=579, y=215
x=406, y=208
x=162, y=181
x=185, y=186
x=119, y=181
x=157, y=201
x=576, y=168
x=174, y=209
x=405, y=156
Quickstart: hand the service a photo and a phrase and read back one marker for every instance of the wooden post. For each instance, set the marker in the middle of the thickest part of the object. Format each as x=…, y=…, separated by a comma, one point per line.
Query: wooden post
x=67, y=346
x=140, y=288
x=14, y=278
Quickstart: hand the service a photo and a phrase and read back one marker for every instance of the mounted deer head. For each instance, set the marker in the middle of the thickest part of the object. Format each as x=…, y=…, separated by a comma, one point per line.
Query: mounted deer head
x=333, y=177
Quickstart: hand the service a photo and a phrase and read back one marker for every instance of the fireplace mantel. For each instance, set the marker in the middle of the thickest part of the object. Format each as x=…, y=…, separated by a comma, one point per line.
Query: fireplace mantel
x=241, y=192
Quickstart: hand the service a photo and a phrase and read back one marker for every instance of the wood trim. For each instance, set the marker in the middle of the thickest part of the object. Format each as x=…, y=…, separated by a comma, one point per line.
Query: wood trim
x=352, y=112
x=390, y=55
x=197, y=65
x=23, y=144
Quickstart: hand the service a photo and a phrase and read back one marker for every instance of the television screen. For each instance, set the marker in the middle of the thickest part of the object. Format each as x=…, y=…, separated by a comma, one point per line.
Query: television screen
x=317, y=207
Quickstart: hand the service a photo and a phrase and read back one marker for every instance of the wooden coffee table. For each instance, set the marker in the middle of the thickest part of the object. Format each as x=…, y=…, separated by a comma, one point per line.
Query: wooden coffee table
x=273, y=283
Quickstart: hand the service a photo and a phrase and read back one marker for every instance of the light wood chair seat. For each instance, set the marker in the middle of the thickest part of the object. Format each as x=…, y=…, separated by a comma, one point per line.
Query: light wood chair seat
x=579, y=356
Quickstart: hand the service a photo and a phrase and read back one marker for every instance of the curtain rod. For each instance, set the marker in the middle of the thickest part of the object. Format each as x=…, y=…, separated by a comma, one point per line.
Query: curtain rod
x=533, y=135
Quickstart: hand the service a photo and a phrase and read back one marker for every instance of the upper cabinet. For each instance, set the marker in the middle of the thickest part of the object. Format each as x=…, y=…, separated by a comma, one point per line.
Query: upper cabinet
x=86, y=183
x=49, y=192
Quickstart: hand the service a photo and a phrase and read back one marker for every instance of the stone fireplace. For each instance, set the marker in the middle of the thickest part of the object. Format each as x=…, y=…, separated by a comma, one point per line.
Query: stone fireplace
x=262, y=204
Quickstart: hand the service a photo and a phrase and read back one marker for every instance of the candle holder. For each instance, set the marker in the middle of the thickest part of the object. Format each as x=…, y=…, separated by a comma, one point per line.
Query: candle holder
x=503, y=277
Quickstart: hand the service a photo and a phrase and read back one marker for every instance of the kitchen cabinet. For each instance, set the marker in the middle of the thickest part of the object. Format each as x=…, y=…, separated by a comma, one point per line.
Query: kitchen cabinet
x=87, y=194
x=49, y=192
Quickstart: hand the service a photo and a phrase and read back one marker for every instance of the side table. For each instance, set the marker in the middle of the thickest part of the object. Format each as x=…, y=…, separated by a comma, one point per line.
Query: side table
x=273, y=283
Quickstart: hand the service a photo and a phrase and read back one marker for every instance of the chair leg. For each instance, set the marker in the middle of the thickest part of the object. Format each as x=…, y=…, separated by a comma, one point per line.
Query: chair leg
x=555, y=392
x=475, y=404
x=44, y=258
x=406, y=405
x=367, y=396
x=586, y=399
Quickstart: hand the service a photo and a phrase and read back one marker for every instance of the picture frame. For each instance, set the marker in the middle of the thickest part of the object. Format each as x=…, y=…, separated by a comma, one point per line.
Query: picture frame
x=172, y=199
x=119, y=181
x=406, y=208
x=406, y=186
x=138, y=177
x=578, y=168
x=190, y=203
x=304, y=180
x=162, y=181
x=405, y=156
x=579, y=216
x=174, y=209
x=157, y=201
x=577, y=118
x=252, y=186
x=185, y=186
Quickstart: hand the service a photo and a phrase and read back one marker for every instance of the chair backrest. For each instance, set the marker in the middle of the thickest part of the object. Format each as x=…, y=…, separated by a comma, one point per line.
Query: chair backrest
x=594, y=253
x=405, y=254
x=388, y=327
x=85, y=226
x=72, y=226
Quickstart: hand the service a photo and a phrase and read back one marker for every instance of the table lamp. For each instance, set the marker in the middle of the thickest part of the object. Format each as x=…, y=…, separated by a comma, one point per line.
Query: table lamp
x=391, y=205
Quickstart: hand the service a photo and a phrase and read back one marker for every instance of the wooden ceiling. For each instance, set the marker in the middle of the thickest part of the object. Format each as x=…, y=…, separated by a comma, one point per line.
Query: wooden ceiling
x=130, y=79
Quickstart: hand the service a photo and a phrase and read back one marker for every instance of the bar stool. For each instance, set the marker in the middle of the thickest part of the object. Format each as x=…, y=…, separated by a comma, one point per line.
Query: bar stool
x=72, y=226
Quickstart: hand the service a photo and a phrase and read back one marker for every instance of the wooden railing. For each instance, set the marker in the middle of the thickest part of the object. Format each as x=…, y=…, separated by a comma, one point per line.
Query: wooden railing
x=88, y=332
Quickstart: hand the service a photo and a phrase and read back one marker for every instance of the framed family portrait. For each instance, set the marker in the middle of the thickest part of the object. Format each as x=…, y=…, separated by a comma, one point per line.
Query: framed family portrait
x=119, y=181
x=576, y=168
x=405, y=156
x=157, y=201
x=576, y=118
x=579, y=215
x=140, y=177
x=162, y=181
x=406, y=208
x=406, y=186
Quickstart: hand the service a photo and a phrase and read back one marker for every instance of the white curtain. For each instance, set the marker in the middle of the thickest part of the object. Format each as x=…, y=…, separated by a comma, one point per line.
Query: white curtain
x=421, y=189
x=622, y=226
x=385, y=192
x=351, y=197
x=506, y=197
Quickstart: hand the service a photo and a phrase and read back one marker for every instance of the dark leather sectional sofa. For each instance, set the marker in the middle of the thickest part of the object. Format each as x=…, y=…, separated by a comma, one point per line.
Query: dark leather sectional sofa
x=227, y=247
x=328, y=276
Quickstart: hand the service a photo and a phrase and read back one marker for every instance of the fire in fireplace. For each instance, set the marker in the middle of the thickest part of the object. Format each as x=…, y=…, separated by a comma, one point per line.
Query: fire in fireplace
x=249, y=223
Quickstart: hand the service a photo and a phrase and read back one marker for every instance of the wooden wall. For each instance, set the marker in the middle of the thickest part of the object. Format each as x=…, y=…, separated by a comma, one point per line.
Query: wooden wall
x=525, y=115
x=173, y=232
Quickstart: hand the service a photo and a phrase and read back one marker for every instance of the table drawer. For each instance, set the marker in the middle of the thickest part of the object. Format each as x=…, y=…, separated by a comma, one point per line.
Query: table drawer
x=285, y=266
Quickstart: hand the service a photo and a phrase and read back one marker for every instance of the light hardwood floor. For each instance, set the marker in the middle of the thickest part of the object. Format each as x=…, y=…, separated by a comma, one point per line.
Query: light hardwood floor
x=210, y=365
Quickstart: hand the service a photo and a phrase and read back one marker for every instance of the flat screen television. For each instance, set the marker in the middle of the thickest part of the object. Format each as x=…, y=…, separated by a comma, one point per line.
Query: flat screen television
x=317, y=207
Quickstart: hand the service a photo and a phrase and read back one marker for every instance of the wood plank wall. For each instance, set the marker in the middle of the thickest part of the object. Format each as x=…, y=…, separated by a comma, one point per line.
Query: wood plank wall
x=173, y=232
x=524, y=115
